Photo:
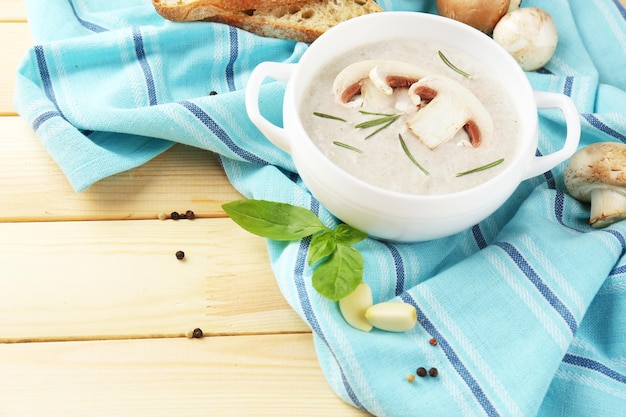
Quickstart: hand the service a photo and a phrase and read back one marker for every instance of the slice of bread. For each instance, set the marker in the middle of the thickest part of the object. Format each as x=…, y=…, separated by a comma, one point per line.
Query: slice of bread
x=301, y=21
x=191, y=10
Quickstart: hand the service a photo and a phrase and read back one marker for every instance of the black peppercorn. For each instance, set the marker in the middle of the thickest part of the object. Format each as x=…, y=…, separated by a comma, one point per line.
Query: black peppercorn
x=197, y=333
x=421, y=372
x=180, y=255
x=174, y=215
x=190, y=215
x=433, y=372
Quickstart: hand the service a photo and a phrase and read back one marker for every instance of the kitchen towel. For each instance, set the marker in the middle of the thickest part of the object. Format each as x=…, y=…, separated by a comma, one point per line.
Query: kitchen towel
x=528, y=307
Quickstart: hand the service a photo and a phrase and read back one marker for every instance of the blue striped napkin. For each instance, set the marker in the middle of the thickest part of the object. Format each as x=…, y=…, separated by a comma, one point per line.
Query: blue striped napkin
x=528, y=307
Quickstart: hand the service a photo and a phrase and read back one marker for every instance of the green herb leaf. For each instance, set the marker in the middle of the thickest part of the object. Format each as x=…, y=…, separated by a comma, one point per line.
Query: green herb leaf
x=377, y=122
x=345, y=145
x=348, y=235
x=339, y=274
x=328, y=116
x=451, y=65
x=380, y=128
x=322, y=245
x=481, y=168
x=277, y=221
x=374, y=113
x=410, y=155
x=385, y=121
x=341, y=266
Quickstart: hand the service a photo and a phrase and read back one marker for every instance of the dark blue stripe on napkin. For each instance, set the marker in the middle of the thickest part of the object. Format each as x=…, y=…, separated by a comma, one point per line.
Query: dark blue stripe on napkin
x=141, y=56
x=594, y=366
x=598, y=124
x=617, y=236
x=234, y=53
x=559, y=206
x=87, y=25
x=619, y=270
x=479, y=237
x=43, y=117
x=221, y=134
x=541, y=286
x=567, y=88
x=621, y=8
x=454, y=359
x=44, y=74
x=399, y=266
x=307, y=308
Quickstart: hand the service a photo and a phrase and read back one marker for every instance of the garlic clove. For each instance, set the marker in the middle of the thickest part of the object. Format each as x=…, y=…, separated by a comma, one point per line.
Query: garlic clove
x=354, y=306
x=392, y=316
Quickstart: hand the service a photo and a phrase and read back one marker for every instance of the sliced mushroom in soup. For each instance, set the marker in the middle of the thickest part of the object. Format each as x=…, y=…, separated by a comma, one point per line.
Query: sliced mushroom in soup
x=403, y=105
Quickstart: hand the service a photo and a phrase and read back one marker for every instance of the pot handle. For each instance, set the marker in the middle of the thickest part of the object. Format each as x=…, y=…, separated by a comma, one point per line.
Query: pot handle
x=542, y=164
x=281, y=72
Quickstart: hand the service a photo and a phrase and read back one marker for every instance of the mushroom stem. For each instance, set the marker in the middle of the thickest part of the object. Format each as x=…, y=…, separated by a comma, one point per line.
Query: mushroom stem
x=607, y=207
x=596, y=174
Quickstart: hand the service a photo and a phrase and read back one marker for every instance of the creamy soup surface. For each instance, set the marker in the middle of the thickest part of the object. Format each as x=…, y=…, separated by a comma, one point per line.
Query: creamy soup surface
x=381, y=160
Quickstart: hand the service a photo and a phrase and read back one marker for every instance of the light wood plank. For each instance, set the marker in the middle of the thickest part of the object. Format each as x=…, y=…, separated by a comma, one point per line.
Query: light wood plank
x=16, y=41
x=121, y=279
x=221, y=376
x=33, y=188
x=12, y=11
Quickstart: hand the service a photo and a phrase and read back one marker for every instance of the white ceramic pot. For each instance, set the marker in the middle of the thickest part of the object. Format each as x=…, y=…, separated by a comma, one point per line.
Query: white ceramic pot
x=391, y=215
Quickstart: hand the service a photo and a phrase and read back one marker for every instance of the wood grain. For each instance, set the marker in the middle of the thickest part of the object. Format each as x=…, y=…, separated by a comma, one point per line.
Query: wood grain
x=33, y=188
x=121, y=279
x=12, y=11
x=217, y=376
x=16, y=40
x=94, y=305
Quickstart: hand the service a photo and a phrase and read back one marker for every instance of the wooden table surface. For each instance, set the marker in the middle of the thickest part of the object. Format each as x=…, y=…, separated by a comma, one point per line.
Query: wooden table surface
x=94, y=305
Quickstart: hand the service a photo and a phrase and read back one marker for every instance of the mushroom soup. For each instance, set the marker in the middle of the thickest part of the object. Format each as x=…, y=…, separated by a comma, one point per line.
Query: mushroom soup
x=407, y=119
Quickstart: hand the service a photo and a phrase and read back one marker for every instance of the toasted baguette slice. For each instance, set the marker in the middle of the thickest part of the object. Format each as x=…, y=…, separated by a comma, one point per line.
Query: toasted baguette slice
x=191, y=10
x=303, y=21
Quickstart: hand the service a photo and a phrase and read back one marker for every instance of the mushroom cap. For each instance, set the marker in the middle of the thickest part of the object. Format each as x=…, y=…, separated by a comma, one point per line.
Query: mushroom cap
x=389, y=74
x=480, y=14
x=348, y=82
x=599, y=165
x=451, y=107
x=529, y=34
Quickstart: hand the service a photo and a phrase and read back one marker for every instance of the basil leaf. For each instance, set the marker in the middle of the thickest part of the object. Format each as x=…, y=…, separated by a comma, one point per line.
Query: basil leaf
x=322, y=245
x=339, y=274
x=348, y=235
x=272, y=220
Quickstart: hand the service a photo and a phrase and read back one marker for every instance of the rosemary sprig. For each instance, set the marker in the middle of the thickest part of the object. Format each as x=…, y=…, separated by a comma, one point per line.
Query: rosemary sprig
x=451, y=65
x=410, y=155
x=328, y=116
x=374, y=113
x=379, y=129
x=385, y=121
x=345, y=145
x=481, y=168
x=377, y=122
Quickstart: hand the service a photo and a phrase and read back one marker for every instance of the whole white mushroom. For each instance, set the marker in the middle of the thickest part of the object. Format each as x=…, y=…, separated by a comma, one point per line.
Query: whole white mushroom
x=529, y=34
x=596, y=174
